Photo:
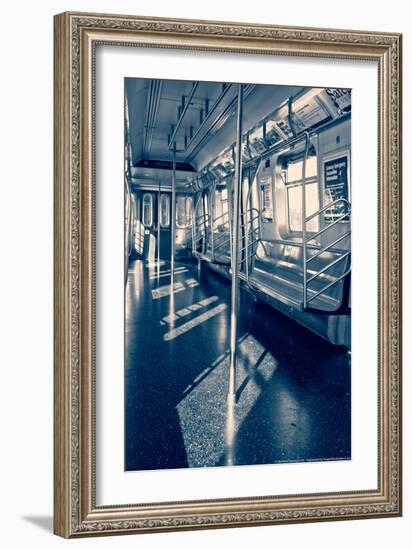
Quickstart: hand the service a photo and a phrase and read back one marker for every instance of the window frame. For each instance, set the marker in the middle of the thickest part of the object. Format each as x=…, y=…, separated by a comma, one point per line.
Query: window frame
x=188, y=214
x=147, y=225
x=181, y=199
x=164, y=196
x=298, y=184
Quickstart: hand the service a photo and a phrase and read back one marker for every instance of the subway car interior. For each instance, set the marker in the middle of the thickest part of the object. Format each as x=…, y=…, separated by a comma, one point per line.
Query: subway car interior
x=237, y=274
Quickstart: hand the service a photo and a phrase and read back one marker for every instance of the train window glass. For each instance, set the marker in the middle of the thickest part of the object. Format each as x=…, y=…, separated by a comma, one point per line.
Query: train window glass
x=181, y=220
x=199, y=208
x=293, y=179
x=188, y=206
x=147, y=210
x=294, y=170
x=224, y=199
x=164, y=210
x=266, y=198
x=295, y=207
x=206, y=204
x=218, y=205
x=221, y=204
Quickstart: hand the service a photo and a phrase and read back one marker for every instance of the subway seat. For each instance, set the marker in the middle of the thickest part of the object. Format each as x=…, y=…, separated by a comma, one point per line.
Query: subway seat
x=280, y=275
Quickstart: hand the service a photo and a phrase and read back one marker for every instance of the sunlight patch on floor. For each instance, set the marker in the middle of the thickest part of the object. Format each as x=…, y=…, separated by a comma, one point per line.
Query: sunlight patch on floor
x=202, y=318
x=166, y=290
x=168, y=273
x=172, y=317
x=203, y=412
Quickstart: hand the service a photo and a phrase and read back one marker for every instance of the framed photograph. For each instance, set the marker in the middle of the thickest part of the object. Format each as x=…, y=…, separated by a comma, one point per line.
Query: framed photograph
x=227, y=274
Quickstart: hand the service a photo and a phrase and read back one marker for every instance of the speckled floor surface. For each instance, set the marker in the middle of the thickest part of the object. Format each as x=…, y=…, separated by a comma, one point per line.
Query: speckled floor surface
x=293, y=388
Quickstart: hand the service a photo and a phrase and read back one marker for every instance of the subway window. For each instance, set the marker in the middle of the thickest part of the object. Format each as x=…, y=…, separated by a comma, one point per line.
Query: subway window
x=147, y=210
x=181, y=212
x=188, y=207
x=164, y=210
x=265, y=185
x=292, y=175
x=206, y=205
x=221, y=204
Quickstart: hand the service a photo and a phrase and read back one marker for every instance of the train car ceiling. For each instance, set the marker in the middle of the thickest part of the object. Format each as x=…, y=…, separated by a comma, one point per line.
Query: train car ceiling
x=207, y=124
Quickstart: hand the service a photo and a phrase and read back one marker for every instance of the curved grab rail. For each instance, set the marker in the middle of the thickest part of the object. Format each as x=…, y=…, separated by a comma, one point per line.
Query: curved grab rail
x=327, y=227
x=252, y=230
x=194, y=223
x=327, y=206
x=305, y=241
x=249, y=192
x=221, y=216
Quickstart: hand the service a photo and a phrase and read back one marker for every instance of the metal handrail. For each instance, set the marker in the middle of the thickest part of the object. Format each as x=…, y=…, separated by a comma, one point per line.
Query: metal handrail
x=313, y=236
x=221, y=243
x=214, y=235
x=226, y=239
x=249, y=193
x=246, y=232
x=329, y=285
x=219, y=234
x=250, y=244
x=293, y=141
x=297, y=244
x=327, y=227
x=304, y=256
x=257, y=216
x=202, y=220
x=204, y=227
x=205, y=216
x=221, y=216
x=194, y=222
x=328, y=266
x=278, y=146
x=327, y=207
x=329, y=246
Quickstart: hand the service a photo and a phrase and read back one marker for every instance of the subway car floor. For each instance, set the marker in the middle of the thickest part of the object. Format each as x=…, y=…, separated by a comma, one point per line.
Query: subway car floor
x=293, y=388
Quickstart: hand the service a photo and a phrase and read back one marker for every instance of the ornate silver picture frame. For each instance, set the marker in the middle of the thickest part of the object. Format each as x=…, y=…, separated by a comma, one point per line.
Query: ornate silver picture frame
x=77, y=510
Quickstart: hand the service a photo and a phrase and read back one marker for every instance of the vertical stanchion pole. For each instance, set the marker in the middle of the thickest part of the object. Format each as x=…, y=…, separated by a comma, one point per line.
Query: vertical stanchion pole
x=229, y=183
x=159, y=215
x=173, y=220
x=235, y=250
x=212, y=213
x=304, y=243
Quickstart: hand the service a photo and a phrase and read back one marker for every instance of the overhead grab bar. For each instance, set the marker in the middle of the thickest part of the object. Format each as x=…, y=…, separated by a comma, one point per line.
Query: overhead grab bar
x=172, y=142
x=276, y=148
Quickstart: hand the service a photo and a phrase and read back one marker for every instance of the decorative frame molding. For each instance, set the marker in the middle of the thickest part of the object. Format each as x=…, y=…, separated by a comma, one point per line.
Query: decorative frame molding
x=75, y=39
